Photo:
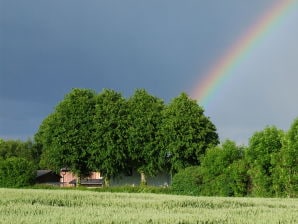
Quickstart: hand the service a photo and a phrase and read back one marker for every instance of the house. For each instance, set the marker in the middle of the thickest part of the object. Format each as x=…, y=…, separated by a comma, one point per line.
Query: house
x=47, y=177
x=69, y=179
x=133, y=178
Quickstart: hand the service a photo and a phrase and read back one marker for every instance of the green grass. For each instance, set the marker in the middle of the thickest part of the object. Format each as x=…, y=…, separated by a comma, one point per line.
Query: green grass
x=113, y=189
x=74, y=206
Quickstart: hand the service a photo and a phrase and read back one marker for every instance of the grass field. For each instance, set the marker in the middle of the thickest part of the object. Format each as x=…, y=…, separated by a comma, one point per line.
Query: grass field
x=73, y=206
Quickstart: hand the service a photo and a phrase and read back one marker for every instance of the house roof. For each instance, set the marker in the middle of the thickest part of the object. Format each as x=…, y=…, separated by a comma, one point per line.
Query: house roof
x=40, y=173
x=64, y=169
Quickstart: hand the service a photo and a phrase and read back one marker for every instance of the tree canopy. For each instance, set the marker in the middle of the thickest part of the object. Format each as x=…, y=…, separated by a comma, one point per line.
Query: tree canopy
x=285, y=174
x=109, y=147
x=263, y=146
x=66, y=133
x=186, y=132
x=144, y=119
x=16, y=172
x=221, y=172
x=109, y=133
x=21, y=149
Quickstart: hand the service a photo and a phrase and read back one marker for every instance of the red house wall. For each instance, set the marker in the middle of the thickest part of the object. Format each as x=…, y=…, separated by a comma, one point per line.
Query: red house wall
x=68, y=176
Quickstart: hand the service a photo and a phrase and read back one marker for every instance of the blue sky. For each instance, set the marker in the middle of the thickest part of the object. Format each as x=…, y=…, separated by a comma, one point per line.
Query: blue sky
x=164, y=46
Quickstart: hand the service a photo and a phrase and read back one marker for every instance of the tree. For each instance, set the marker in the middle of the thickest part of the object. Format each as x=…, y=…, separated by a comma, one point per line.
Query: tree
x=222, y=172
x=67, y=133
x=22, y=149
x=12, y=148
x=144, y=118
x=263, y=147
x=286, y=171
x=109, y=149
x=45, y=139
x=16, y=172
x=186, y=133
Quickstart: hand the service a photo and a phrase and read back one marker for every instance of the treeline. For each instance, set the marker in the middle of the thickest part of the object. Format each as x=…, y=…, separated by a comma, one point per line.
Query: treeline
x=109, y=133
x=106, y=132
x=18, y=163
x=22, y=149
x=267, y=167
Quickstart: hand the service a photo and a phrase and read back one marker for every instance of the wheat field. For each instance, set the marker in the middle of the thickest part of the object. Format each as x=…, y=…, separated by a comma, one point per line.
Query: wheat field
x=73, y=206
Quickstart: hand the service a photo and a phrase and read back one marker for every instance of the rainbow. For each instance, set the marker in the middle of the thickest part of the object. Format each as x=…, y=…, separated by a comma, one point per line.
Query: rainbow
x=221, y=70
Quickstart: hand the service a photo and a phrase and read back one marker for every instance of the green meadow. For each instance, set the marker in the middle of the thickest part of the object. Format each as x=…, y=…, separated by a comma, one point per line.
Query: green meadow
x=74, y=206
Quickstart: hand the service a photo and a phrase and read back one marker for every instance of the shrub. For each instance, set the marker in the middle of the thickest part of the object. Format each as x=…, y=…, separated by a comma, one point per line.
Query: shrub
x=223, y=171
x=16, y=172
x=187, y=181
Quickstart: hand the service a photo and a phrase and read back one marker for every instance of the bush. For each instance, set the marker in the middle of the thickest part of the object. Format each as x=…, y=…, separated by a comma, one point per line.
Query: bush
x=16, y=172
x=187, y=181
x=223, y=171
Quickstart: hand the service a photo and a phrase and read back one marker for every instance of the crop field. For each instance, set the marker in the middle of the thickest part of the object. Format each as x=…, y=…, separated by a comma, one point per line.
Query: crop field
x=73, y=206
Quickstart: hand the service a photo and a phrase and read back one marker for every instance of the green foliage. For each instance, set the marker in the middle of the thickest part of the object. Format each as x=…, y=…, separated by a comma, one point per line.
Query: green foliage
x=144, y=119
x=223, y=172
x=263, y=146
x=290, y=160
x=186, y=133
x=110, y=134
x=109, y=147
x=18, y=163
x=187, y=181
x=286, y=161
x=44, y=138
x=16, y=172
x=66, y=134
x=22, y=149
x=239, y=181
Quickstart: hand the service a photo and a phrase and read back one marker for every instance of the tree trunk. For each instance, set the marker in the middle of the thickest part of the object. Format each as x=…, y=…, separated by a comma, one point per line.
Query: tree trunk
x=107, y=182
x=143, y=179
x=78, y=182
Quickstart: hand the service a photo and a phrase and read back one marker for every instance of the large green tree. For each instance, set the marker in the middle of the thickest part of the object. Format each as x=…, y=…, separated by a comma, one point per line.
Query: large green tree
x=109, y=153
x=186, y=133
x=67, y=132
x=263, y=148
x=286, y=170
x=144, y=119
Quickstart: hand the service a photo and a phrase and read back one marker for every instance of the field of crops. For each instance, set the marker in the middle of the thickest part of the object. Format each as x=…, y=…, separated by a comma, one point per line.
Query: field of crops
x=72, y=206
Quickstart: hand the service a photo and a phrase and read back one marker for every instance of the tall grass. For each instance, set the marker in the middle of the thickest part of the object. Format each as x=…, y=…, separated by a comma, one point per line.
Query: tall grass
x=65, y=206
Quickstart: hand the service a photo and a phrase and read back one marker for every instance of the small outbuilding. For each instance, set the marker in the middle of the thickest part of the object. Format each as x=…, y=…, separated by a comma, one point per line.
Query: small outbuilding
x=47, y=177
